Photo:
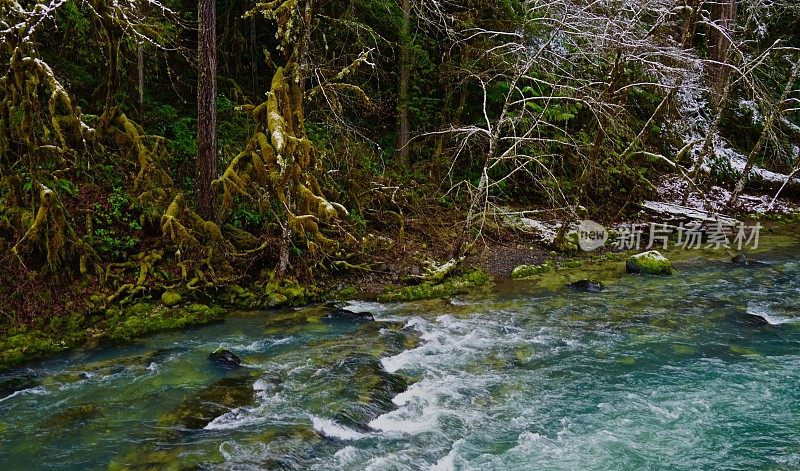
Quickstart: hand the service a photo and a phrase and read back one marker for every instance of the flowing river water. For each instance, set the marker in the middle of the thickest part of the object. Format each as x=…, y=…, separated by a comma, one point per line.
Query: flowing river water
x=698, y=370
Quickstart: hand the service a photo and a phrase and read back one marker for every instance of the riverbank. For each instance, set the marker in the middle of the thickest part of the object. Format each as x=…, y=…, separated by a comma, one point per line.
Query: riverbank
x=410, y=267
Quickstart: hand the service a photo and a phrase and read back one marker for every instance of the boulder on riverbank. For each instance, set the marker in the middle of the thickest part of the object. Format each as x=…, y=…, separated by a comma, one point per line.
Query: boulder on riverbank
x=649, y=263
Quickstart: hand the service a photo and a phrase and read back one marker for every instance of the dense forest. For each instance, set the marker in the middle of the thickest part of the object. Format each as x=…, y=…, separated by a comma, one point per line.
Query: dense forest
x=246, y=151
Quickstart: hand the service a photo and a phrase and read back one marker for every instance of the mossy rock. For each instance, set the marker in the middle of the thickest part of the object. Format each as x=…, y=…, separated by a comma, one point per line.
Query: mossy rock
x=211, y=402
x=143, y=319
x=73, y=416
x=524, y=271
x=744, y=351
x=166, y=458
x=134, y=363
x=375, y=339
x=292, y=321
x=285, y=293
x=369, y=390
x=451, y=286
x=649, y=263
x=291, y=447
x=171, y=298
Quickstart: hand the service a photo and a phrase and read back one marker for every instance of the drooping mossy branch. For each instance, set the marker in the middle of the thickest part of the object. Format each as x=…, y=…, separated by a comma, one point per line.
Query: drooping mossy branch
x=277, y=171
x=52, y=236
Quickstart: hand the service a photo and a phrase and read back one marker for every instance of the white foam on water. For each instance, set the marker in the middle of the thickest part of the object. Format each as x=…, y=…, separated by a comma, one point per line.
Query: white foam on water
x=256, y=346
x=763, y=310
x=367, y=306
x=403, y=422
x=346, y=455
x=39, y=390
x=262, y=385
x=237, y=418
x=448, y=461
x=244, y=455
x=329, y=428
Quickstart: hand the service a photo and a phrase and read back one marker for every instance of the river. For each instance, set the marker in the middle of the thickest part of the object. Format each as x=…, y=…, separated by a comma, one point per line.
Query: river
x=697, y=370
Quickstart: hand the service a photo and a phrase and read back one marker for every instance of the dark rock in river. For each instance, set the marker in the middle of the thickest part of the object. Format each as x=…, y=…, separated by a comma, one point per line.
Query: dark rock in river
x=10, y=386
x=370, y=389
x=747, y=319
x=346, y=315
x=587, y=286
x=744, y=260
x=740, y=259
x=225, y=359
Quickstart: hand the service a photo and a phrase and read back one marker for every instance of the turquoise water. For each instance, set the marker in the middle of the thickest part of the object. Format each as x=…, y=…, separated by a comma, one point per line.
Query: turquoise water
x=653, y=373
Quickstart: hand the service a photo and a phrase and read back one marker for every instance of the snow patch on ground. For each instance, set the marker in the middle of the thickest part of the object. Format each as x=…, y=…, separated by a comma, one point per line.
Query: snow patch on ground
x=672, y=189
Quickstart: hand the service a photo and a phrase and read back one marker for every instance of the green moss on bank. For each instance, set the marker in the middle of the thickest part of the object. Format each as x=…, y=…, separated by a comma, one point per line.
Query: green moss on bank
x=524, y=271
x=141, y=319
x=28, y=342
x=449, y=287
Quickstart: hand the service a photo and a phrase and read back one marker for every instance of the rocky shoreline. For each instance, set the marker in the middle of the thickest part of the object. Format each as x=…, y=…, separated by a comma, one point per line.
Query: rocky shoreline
x=106, y=321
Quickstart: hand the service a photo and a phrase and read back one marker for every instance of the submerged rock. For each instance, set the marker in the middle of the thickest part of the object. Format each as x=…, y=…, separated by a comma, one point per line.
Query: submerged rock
x=16, y=384
x=370, y=390
x=649, y=263
x=224, y=358
x=587, y=286
x=740, y=259
x=347, y=315
x=747, y=319
x=220, y=397
x=744, y=260
x=73, y=415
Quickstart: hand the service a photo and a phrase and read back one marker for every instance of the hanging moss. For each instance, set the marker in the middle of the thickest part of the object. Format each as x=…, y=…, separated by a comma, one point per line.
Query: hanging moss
x=278, y=168
x=52, y=236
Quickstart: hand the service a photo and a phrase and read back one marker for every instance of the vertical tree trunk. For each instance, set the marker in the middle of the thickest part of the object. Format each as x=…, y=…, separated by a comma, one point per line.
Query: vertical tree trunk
x=404, y=132
x=690, y=24
x=206, y=106
x=765, y=133
x=303, y=58
x=140, y=73
x=253, y=57
x=724, y=14
x=304, y=47
x=112, y=77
